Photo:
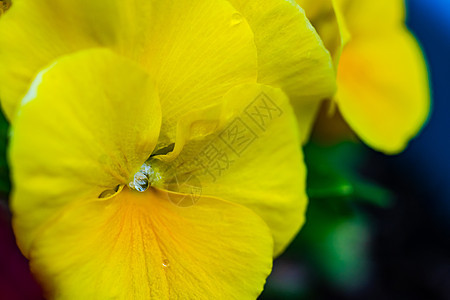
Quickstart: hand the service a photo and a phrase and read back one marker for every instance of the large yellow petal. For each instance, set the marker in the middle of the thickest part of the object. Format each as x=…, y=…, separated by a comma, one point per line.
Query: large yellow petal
x=253, y=159
x=34, y=33
x=86, y=125
x=142, y=246
x=290, y=53
x=197, y=51
x=193, y=49
x=383, y=89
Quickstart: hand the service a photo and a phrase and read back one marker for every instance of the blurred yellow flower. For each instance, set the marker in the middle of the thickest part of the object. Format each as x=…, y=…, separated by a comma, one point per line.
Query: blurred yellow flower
x=129, y=97
x=383, y=91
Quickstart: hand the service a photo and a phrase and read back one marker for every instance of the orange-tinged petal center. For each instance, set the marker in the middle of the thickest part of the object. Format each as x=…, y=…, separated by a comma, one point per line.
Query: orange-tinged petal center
x=143, y=246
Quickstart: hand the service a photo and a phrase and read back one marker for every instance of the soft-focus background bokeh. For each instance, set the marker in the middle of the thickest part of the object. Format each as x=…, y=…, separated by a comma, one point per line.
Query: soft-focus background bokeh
x=378, y=227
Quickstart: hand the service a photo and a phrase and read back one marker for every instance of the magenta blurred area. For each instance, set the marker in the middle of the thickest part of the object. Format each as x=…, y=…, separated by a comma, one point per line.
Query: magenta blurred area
x=16, y=281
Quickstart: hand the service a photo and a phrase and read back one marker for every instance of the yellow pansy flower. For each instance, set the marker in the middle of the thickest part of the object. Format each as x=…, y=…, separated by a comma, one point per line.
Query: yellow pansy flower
x=383, y=91
x=129, y=98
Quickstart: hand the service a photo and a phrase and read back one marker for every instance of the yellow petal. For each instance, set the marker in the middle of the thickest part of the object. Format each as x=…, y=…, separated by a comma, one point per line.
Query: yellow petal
x=34, y=33
x=323, y=18
x=197, y=51
x=290, y=53
x=142, y=246
x=337, y=21
x=254, y=159
x=196, y=125
x=382, y=79
x=87, y=124
x=383, y=90
x=194, y=51
x=331, y=26
x=306, y=116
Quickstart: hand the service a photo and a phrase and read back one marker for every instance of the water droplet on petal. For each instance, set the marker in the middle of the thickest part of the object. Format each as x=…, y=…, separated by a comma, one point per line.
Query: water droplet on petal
x=140, y=182
x=143, y=179
x=236, y=19
x=165, y=263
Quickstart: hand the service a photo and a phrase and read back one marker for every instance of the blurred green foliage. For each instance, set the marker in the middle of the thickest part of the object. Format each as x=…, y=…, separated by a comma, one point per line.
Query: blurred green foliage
x=5, y=184
x=334, y=173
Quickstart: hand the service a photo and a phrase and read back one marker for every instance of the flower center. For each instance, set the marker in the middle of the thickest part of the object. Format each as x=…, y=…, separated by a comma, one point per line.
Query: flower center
x=144, y=178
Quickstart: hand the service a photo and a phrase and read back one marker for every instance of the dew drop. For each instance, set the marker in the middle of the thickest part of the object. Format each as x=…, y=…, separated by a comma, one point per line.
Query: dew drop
x=144, y=178
x=236, y=19
x=165, y=263
x=140, y=182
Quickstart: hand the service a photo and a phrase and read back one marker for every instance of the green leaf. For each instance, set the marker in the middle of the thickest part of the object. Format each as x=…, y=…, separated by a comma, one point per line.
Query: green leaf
x=5, y=183
x=334, y=172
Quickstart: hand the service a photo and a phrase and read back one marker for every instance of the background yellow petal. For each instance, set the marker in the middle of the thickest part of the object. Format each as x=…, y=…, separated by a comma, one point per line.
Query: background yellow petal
x=382, y=79
x=290, y=53
x=383, y=90
x=337, y=21
x=253, y=159
x=197, y=51
x=323, y=18
x=329, y=27
x=34, y=33
x=87, y=124
x=142, y=246
x=315, y=9
x=364, y=17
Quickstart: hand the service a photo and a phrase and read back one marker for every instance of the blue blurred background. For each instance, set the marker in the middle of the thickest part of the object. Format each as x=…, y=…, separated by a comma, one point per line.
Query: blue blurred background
x=427, y=160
